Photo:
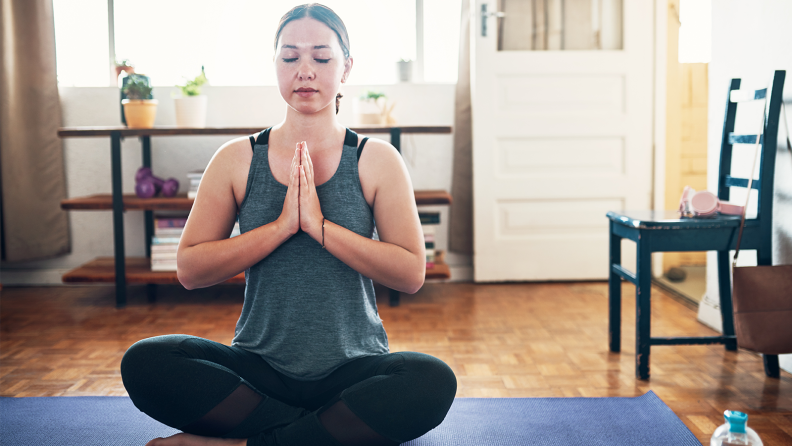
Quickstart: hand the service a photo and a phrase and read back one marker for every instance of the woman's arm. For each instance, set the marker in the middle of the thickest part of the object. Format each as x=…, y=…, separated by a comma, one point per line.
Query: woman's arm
x=398, y=259
x=206, y=255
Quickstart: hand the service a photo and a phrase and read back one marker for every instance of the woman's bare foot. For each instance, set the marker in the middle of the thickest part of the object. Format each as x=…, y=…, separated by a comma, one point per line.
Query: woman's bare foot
x=195, y=440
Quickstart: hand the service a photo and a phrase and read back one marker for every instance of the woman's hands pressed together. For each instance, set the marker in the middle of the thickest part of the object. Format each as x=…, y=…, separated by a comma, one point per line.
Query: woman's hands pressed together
x=311, y=217
x=301, y=208
x=290, y=216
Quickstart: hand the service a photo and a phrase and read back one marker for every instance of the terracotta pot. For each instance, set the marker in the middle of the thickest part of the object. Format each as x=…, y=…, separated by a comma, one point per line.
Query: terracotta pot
x=127, y=70
x=140, y=113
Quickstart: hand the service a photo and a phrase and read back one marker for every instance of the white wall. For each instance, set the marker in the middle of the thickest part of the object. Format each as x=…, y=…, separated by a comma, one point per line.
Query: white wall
x=749, y=41
x=428, y=157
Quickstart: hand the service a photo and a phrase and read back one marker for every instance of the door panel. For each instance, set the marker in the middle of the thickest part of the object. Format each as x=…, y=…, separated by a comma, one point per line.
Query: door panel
x=559, y=136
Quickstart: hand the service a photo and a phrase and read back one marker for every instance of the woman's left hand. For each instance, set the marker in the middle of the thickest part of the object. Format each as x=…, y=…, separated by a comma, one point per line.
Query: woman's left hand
x=310, y=211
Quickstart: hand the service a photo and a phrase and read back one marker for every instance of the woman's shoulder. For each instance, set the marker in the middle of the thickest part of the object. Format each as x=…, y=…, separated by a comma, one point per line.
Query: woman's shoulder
x=378, y=153
x=380, y=165
x=234, y=151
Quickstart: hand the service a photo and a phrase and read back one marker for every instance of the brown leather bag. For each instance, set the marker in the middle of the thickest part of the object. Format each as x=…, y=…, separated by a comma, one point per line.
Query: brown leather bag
x=762, y=298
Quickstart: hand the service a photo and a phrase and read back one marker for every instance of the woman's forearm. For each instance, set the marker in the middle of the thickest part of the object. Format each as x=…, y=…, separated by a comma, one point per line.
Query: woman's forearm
x=209, y=263
x=385, y=263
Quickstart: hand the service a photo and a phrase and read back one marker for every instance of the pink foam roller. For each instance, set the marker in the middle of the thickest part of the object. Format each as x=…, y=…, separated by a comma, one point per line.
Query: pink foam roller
x=704, y=203
x=731, y=209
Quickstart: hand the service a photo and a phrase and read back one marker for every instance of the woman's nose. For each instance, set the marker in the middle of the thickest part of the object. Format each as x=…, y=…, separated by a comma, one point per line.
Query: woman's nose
x=305, y=72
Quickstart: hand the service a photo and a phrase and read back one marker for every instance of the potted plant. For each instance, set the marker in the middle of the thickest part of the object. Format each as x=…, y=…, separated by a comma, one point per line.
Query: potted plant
x=404, y=70
x=373, y=108
x=139, y=111
x=124, y=67
x=191, y=106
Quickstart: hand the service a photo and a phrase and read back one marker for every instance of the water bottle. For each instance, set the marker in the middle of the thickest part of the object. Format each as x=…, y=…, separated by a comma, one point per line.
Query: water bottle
x=735, y=432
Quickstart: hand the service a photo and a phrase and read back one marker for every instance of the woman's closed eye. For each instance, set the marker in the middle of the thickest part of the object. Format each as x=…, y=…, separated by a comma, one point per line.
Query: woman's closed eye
x=294, y=59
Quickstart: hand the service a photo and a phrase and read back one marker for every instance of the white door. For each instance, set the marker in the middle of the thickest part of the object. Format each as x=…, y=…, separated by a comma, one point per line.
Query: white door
x=562, y=132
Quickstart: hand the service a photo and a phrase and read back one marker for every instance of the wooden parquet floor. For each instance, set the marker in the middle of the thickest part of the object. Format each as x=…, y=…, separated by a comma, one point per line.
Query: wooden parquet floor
x=502, y=340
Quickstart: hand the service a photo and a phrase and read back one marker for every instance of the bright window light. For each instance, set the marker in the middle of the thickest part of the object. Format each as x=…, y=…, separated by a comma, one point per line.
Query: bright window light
x=441, y=40
x=81, y=43
x=233, y=39
x=695, y=32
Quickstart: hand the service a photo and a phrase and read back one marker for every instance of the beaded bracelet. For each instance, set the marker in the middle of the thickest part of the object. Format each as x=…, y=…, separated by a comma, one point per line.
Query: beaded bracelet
x=323, y=221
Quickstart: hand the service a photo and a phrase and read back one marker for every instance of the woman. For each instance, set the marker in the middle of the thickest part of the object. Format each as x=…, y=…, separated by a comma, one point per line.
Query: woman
x=309, y=363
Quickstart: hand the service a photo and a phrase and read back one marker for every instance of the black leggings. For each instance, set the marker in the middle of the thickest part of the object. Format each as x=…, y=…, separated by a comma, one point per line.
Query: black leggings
x=207, y=388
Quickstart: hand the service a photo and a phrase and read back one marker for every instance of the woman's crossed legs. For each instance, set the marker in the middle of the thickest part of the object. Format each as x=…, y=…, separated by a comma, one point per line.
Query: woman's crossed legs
x=208, y=389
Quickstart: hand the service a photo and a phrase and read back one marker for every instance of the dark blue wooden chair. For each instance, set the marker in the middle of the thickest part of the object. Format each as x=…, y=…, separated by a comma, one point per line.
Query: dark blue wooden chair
x=665, y=231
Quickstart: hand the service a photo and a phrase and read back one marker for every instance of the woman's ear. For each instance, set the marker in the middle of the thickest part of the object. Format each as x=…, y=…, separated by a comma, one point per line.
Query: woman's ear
x=347, y=68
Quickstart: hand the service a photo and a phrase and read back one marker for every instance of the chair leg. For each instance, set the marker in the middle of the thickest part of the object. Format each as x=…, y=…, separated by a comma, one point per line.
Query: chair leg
x=724, y=286
x=643, y=305
x=771, y=366
x=614, y=294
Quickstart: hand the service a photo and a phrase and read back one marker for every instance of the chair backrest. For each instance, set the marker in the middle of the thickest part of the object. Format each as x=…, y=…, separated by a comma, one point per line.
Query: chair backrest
x=767, y=140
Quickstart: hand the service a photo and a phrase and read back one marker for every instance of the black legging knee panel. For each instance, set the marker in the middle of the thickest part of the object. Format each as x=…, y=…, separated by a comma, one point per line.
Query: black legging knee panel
x=177, y=379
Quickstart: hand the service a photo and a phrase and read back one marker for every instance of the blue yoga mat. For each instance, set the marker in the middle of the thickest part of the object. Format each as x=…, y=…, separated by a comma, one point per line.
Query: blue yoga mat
x=115, y=421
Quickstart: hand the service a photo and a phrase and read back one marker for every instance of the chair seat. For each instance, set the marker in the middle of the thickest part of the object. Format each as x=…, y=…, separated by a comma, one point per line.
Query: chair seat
x=645, y=219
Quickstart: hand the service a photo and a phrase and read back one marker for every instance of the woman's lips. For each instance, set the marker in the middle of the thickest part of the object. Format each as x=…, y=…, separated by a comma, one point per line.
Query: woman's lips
x=305, y=92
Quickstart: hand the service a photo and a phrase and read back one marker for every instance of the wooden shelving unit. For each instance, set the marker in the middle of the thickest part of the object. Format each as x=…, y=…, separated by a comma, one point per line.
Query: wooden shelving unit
x=180, y=202
x=123, y=270
x=138, y=271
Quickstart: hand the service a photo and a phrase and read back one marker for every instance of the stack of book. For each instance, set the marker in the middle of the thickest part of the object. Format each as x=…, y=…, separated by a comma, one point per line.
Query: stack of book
x=165, y=243
x=195, y=180
x=429, y=220
x=167, y=232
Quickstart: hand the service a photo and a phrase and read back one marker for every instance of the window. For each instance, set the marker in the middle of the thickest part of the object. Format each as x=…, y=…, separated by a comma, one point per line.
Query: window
x=171, y=40
x=695, y=32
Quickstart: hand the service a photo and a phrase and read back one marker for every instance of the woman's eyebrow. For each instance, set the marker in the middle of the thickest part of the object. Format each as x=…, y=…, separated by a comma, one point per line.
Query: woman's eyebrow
x=316, y=47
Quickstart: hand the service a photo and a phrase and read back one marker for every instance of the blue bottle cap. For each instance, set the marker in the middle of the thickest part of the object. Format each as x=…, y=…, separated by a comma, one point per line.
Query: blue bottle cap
x=736, y=421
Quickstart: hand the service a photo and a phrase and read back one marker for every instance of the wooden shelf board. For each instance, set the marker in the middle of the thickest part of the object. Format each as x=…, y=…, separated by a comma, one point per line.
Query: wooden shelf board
x=439, y=271
x=181, y=202
x=138, y=270
x=87, y=131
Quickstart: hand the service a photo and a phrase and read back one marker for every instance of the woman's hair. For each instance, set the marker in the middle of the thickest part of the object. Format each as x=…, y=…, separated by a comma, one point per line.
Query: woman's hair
x=325, y=15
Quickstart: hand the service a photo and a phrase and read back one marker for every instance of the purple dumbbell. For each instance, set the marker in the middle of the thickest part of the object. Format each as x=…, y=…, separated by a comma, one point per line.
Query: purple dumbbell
x=147, y=185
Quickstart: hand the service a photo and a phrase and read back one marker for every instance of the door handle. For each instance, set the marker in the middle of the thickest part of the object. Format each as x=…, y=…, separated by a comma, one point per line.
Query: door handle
x=485, y=15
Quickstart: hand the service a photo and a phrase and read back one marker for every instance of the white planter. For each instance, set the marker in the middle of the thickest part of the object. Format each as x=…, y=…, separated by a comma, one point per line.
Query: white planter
x=191, y=111
x=404, y=70
x=366, y=112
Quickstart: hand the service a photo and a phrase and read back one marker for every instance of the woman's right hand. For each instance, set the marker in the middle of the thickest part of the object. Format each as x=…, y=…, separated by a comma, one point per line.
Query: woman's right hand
x=290, y=216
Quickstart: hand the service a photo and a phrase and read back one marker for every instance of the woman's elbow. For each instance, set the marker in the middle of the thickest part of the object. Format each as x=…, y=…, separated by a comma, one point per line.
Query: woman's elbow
x=417, y=281
x=184, y=279
x=183, y=273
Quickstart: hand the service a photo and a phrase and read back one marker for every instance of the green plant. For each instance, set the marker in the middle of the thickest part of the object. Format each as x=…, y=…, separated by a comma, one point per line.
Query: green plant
x=373, y=96
x=123, y=63
x=137, y=87
x=193, y=87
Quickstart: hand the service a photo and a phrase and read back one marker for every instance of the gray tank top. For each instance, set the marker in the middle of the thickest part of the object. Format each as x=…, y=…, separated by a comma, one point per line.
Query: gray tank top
x=306, y=312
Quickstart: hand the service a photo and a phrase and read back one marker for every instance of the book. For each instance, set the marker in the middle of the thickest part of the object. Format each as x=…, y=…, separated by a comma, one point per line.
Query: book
x=428, y=229
x=169, y=247
x=163, y=266
x=164, y=240
x=171, y=222
x=192, y=194
x=429, y=218
x=168, y=232
x=163, y=256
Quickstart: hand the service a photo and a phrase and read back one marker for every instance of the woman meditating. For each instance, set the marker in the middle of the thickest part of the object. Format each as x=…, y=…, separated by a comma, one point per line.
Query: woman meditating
x=309, y=363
